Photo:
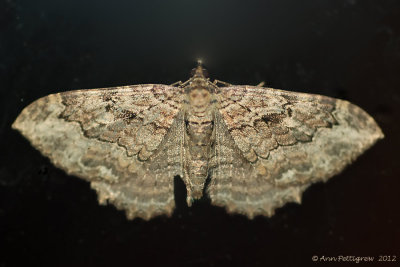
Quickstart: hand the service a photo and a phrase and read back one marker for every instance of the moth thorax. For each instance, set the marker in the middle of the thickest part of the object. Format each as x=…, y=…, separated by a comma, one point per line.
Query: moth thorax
x=199, y=97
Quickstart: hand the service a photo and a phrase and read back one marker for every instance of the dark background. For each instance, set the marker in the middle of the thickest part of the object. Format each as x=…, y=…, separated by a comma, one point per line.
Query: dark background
x=348, y=49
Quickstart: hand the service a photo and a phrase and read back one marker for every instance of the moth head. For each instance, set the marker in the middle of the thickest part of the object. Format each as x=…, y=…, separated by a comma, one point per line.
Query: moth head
x=199, y=71
x=199, y=81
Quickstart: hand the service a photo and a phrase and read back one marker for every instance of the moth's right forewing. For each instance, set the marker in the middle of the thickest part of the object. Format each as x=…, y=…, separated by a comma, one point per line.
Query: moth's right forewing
x=282, y=142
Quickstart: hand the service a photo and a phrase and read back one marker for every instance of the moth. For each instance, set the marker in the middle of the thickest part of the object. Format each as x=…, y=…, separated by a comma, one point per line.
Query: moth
x=260, y=147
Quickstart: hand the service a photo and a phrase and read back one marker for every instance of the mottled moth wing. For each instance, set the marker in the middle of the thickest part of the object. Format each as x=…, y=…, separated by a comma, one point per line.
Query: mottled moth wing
x=272, y=144
x=125, y=140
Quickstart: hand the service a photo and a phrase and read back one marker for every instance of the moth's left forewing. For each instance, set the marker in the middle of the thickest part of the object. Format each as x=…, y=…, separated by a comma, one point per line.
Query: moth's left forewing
x=288, y=140
x=124, y=140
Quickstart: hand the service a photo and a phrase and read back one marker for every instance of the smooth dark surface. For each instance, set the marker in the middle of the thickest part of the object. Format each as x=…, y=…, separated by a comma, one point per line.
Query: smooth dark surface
x=346, y=49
